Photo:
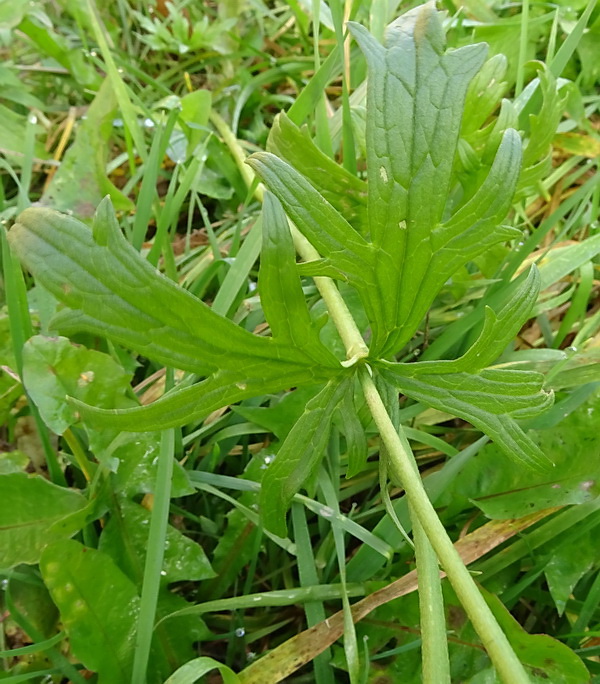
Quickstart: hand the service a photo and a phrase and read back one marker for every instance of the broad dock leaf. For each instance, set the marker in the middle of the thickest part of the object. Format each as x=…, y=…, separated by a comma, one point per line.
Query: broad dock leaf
x=29, y=508
x=98, y=605
x=53, y=367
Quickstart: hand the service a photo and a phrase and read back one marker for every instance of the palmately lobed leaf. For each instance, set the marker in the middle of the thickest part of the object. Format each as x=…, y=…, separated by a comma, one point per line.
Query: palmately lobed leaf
x=184, y=405
x=499, y=329
x=416, y=96
x=280, y=288
x=419, y=230
x=113, y=292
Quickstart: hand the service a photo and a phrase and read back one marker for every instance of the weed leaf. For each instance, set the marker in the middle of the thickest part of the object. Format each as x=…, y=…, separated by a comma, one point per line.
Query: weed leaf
x=416, y=94
x=354, y=432
x=54, y=367
x=490, y=399
x=80, y=182
x=344, y=191
x=280, y=289
x=112, y=291
x=537, y=156
x=125, y=540
x=498, y=330
x=29, y=509
x=421, y=228
x=98, y=606
x=346, y=254
x=330, y=233
x=299, y=455
x=186, y=404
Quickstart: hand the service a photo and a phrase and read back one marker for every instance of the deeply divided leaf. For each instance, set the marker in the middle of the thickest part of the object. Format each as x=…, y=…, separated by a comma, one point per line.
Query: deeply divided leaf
x=491, y=400
x=112, y=291
x=299, y=455
x=281, y=295
x=344, y=191
x=498, y=330
x=187, y=404
x=422, y=226
x=416, y=96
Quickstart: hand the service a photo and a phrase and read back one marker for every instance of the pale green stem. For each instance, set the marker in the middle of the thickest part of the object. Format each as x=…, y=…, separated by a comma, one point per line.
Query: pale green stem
x=433, y=628
x=434, y=648
x=354, y=343
x=237, y=153
x=493, y=638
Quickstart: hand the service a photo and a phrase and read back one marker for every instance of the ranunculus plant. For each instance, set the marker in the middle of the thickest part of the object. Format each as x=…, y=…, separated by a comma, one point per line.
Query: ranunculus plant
x=396, y=238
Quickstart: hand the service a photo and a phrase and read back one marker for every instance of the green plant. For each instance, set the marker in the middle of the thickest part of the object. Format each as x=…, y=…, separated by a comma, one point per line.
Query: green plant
x=395, y=240
x=176, y=33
